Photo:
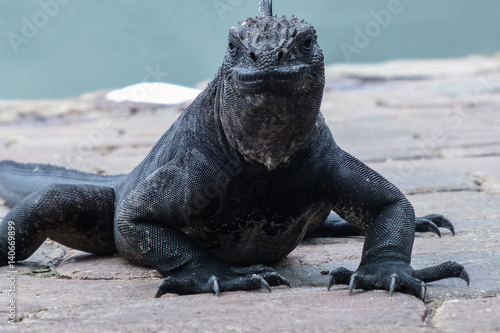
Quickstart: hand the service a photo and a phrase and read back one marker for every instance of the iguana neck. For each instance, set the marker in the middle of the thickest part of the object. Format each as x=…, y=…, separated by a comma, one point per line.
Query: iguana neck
x=267, y=128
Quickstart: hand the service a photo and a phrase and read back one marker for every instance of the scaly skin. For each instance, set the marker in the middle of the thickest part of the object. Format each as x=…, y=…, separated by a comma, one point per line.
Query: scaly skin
x=246, y=171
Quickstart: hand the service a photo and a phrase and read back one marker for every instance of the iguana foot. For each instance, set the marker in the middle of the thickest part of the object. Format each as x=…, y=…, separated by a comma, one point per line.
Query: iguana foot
x=396, y=276
x=432, y=223
x=236, y=278
x=391, y=276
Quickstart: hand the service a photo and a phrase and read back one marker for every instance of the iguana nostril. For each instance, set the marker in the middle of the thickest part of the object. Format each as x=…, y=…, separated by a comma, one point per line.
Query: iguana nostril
x=280, y=55
x=253, y=56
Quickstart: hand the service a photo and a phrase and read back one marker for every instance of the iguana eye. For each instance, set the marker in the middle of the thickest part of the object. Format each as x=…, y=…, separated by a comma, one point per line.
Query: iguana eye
x=232, y=48
x=308, y=44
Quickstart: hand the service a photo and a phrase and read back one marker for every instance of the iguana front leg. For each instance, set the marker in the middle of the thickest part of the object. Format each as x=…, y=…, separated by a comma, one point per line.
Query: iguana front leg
x=188, y=268
x=386, y=217
x=146, y=221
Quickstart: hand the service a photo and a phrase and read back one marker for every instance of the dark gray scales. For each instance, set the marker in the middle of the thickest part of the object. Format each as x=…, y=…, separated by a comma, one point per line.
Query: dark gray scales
x=245, y=173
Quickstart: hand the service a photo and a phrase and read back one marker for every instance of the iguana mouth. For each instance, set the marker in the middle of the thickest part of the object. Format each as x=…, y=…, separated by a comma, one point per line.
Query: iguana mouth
x=291, y=79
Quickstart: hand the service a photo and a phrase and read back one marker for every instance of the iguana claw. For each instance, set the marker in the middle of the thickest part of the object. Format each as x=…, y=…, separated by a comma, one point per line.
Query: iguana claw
x=465, y=276
x=352, y=283
x=340, y=275
x=425, y=225
x=284, y=281
x=392, y=287
x=162, y=287
x=214, y=281
x=423, y=290
x=432, y=223
x=331, y=282
x=262, y=281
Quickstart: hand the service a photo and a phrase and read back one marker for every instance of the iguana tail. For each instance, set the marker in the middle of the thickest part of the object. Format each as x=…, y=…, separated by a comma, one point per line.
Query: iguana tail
x=18, y=180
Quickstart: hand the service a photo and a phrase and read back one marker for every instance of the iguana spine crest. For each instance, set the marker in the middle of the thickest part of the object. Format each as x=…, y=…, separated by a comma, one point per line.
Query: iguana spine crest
x=266, y=8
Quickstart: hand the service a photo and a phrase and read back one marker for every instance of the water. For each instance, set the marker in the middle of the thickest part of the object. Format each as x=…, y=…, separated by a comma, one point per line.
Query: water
x=62, y=48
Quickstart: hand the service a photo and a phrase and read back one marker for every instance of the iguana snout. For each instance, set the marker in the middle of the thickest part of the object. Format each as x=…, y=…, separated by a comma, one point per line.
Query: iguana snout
x=286, y=80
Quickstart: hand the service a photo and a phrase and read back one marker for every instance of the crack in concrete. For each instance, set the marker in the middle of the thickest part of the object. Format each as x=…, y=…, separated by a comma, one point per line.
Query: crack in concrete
x=442, y=190
x=427, y=316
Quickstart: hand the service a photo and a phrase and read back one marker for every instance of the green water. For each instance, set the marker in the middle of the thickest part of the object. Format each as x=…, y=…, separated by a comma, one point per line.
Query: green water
x=61, y=48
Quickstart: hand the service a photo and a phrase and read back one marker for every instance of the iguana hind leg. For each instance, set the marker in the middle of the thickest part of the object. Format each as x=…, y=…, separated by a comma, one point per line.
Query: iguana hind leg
x=335, y=226
x=78, y=216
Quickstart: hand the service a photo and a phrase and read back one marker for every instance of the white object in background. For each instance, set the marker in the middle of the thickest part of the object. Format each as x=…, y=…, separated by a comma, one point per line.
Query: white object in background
x=153, y=92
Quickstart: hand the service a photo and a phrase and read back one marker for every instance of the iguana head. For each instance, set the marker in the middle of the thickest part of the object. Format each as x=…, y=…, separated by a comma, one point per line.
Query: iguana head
x=272, y=86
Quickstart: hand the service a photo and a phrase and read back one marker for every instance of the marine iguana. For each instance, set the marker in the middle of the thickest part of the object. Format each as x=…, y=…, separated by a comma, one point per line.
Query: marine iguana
x=245, y=172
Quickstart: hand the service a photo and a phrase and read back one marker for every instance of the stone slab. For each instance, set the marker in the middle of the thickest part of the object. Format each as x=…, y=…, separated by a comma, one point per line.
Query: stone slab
x=128, y=306
x=468, y=315
x=443, y=175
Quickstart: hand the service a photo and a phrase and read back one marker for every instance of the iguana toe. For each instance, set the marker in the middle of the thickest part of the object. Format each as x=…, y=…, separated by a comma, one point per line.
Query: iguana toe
x=425, y=225
x=263, y=282
x=445, y=270
x=340, y=275
x=432, y=223
x=163, y=287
